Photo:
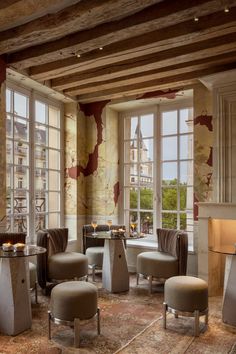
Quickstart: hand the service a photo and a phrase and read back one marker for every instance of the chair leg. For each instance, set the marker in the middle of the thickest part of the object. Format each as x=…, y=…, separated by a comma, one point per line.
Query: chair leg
x=93, y=272
x=196, y=324
x=49, y=324
x=76, y=332
x=176, y=315
x=164, y=314
x=150, y=283
x=206, y=319
x=137, y=278
x=98, y=321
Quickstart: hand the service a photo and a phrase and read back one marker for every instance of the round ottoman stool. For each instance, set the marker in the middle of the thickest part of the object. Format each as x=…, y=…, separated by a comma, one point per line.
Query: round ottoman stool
x=95, y=258
x=186, y=296
x=72, y=302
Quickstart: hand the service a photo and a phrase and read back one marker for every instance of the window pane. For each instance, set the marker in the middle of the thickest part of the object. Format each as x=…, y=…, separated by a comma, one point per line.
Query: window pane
x=40, y=179
x=146, y=222
x=40, y=157
x=54, y=159
x=40, y=134
x=54, y=117
x=169, y=198
x=20, y=223
x=133, y=198
x=20, y=105
x=186, y=146
x=169, y=148
x=131, y=126
x=169, y=123
x=169, y=220
x=9, y=101
x=40, y=203
x=146, y=198
x=40, y=222
x=9, y=126
x=40, y=112
x=133, y=221
x=186, y=172
x=146, y=125
x=146, y=150
x=9, y=151
x=21, y=204
x=21, y=151
x=131, y=174
x=146, y=174
x=186, y=120
x=131, y=151
x=53, y=219
x=21, y=129
x=169, y=173
x=21, y=180
x=54, y=138
x=54, y=180
x=53, y=201
x=183, y=224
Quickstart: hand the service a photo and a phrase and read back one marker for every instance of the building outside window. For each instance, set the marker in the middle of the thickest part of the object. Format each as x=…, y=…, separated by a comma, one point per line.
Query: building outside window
x=34, y=147
x=158, y=170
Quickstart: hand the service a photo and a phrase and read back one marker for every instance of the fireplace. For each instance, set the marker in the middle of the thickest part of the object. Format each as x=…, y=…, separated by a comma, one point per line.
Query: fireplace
x=217, y=226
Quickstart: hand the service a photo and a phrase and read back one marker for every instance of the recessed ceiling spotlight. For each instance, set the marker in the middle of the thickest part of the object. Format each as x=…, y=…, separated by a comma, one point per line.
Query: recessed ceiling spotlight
x=100, y=48
x=78, y=55
x=196, y=19
x=226, y=9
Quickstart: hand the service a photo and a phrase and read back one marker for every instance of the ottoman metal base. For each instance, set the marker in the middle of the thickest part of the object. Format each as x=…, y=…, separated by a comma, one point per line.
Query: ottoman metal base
x=196, y=314
x=74, y=324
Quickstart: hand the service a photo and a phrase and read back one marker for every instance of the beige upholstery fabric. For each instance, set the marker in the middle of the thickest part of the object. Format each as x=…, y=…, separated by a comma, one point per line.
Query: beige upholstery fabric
x=174, y=242
x=185, y=293
x=74, y=299
x=67, y=265
x=95, y=255
x=55, y=263
x=157, y=264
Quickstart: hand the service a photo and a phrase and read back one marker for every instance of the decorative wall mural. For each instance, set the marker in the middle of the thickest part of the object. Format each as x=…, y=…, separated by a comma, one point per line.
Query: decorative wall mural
x=203, y=169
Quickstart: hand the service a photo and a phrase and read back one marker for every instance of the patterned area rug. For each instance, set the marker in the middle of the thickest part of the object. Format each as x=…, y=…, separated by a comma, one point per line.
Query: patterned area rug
x=130, y=323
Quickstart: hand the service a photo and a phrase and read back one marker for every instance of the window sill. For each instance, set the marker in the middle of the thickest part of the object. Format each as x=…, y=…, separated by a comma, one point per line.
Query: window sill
x=149, y=245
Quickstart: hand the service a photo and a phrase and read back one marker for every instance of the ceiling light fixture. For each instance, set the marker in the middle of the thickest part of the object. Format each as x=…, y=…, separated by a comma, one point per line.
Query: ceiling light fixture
x=196, y=19
x=100, y=48
x=226, y=9
x=78, y=55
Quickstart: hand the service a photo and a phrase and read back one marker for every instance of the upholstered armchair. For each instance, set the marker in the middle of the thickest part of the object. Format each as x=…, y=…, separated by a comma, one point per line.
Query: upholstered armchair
x=15, y=237
x=169, y=260
x=94, y=247
x=56, y=264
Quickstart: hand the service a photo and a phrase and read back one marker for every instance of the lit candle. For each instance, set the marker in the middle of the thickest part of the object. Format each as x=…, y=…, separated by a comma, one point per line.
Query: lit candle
x=19, y=246
x=7, y=246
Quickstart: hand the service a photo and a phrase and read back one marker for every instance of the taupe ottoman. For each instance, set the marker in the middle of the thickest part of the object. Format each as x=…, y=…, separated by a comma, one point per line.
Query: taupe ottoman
x=186, y=296
x=95, y=258
x=72, y=302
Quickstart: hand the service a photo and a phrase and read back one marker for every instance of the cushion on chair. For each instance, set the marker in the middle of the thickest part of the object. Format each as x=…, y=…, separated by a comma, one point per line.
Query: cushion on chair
x=74, y=299
x=95, y=255
x=157, y=264
x=67, y=265
x=186, y=293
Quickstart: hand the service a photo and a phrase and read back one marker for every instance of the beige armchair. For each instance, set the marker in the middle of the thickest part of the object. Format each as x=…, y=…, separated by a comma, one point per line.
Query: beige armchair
x=15, y=237
x=56, y=264
x=169, y=260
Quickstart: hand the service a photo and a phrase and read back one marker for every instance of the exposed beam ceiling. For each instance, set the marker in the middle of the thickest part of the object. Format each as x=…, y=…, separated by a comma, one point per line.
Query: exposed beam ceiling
x=147, y=45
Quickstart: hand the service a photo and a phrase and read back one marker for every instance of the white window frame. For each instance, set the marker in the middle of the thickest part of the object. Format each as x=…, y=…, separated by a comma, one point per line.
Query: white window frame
x=33, y=96
x=157, y=175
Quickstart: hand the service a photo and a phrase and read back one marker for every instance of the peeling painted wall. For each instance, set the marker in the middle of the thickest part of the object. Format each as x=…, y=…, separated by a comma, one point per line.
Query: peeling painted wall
x=203, y=146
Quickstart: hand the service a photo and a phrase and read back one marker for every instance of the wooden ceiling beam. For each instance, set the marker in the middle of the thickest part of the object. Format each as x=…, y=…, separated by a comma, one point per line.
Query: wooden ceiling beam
x=152, y=18
x=205, y=48
x=186, y=31
x=193, y=65
x=22, y=11
x=77, y=17
x=157, y=84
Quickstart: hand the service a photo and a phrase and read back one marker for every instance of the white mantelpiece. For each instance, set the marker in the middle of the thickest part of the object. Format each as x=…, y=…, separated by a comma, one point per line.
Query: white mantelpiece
x=210, y=265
